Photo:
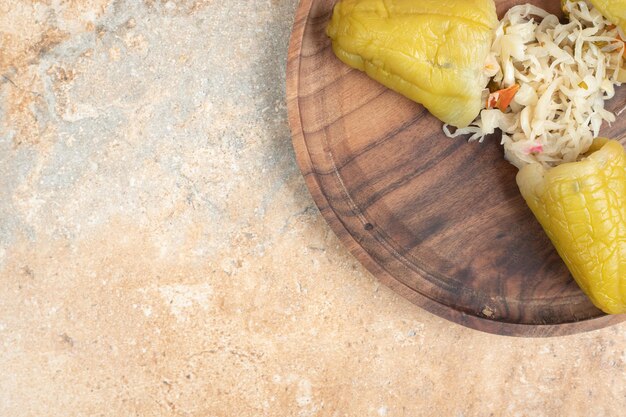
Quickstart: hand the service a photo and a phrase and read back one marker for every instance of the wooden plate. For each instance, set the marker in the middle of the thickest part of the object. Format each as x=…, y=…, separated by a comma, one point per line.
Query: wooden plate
x=438, y=220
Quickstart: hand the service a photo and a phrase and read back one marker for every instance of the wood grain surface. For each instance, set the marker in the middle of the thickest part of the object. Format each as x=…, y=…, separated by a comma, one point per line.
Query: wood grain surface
x=438, y=220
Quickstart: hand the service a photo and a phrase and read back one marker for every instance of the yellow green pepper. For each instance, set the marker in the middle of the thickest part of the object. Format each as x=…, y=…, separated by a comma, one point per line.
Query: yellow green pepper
x=582, y=207
x=431, y=51
x=614, y=10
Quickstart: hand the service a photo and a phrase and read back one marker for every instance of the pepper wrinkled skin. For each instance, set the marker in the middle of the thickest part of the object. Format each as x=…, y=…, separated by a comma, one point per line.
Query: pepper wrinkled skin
x=582, y=207
x=431, y=51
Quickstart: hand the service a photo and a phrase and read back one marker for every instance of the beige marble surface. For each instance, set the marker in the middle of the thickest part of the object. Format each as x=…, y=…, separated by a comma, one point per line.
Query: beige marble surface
x=161, y=256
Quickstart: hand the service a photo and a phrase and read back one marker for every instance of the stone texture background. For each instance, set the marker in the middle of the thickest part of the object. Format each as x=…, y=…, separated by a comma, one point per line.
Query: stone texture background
x=161, y=256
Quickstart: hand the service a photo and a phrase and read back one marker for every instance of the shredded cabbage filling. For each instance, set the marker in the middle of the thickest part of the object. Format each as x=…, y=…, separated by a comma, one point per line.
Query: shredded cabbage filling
x=561, y=74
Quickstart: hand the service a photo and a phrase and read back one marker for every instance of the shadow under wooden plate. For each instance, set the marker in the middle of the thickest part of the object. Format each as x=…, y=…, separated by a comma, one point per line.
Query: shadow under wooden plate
x=438, y=220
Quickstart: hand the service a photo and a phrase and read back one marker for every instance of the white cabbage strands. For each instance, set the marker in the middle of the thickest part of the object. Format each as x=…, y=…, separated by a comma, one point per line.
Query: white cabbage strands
x=565, y=73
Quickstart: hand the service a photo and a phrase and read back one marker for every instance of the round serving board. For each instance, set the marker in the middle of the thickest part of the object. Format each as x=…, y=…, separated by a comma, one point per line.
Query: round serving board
x=438, y=220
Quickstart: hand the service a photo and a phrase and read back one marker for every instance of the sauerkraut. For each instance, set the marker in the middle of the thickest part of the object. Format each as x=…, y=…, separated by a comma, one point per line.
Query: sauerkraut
x=550, y=83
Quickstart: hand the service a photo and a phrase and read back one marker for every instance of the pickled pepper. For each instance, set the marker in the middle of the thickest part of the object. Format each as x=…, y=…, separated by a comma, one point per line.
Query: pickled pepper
x=431, y=51
x=582, y=207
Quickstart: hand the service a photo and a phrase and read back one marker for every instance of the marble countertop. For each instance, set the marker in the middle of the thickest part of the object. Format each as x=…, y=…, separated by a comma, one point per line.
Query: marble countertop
x=160, y=254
